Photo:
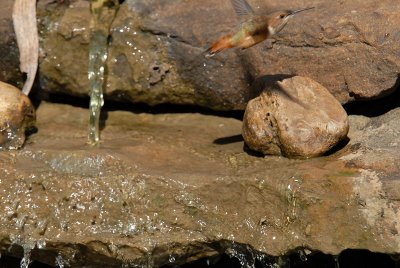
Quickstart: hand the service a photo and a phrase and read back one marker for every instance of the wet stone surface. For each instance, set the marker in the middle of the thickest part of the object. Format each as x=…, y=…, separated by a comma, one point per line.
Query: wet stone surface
x=160, y=189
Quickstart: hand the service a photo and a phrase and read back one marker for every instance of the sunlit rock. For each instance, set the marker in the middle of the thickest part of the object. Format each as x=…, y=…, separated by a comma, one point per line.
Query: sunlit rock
x=16, y=115
x=156, y=51
x=296, y=117
x=151, y=196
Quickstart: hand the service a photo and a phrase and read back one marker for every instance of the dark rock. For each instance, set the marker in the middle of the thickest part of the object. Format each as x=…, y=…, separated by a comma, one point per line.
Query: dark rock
x=9, y=55
x=296, y=117
x=16, y=116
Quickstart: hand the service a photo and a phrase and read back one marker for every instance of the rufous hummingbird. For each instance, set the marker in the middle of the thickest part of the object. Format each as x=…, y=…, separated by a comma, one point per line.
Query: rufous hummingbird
x=254, y=29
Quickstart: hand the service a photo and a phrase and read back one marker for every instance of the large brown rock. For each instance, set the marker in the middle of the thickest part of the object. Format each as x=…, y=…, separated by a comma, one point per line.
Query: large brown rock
x=17, y=115
x=162, y=188
x=156, y=53
x=296, y=117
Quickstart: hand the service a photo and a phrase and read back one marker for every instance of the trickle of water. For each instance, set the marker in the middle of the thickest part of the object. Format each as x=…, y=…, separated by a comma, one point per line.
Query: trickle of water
x=243, y=254
x=282, y=262
x=302, y=255
x=336, y=258
x=27, y=246
x=26, y=260
x=291, y=194
x=60, y=262
x=102, y=15
x=171, y=258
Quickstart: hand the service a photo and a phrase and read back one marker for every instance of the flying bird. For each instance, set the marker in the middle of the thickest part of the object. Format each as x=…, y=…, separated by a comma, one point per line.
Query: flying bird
x=254, y=29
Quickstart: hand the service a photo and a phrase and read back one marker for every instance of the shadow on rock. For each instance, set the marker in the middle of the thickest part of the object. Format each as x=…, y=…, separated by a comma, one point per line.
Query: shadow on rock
x=338, y=147
x=376, y=107
x=229, y=140
x=264, y=82
x=251, y=152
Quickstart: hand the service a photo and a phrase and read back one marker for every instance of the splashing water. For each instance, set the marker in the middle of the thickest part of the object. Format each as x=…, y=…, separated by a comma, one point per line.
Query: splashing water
x=171, y=258
x=249, y=258
x=26, y=260
x=14, y=139
x=302, y=255
x=243, y=254
x=60, y=262
x=103, y=13
x=41, y=244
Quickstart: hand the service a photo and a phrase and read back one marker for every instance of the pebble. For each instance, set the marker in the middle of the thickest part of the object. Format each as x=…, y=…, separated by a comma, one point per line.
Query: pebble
x=17, y=114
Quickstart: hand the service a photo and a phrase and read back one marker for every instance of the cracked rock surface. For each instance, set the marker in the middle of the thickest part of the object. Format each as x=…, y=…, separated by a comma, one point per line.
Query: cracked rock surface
x=156, y=53
x=161, y=188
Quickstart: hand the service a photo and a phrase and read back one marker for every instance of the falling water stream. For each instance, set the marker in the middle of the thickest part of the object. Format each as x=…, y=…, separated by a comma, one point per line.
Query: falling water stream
x=102, y=15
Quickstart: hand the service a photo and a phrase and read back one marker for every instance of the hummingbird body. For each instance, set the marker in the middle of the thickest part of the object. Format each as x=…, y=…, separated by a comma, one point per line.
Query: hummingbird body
x=255, y=28
x=252, y=31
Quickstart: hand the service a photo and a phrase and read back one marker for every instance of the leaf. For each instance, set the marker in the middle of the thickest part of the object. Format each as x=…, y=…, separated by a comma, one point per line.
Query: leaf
x=25, y=27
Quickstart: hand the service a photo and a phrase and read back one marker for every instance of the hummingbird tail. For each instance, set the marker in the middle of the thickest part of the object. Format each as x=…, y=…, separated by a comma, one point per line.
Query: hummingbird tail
x=218, y=46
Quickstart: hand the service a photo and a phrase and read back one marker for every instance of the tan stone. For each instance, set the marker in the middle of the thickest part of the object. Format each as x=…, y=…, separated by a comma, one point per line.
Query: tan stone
x=296, y=117
x=16, y=115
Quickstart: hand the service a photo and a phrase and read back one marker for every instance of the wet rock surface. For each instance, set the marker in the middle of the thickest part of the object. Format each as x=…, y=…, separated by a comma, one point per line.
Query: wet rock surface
x=296, y=117
x=17, y=115
x=156, y=53
x=161, y=188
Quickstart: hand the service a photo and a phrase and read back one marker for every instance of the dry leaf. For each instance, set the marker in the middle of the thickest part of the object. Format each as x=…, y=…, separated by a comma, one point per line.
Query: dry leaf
x=25, y=27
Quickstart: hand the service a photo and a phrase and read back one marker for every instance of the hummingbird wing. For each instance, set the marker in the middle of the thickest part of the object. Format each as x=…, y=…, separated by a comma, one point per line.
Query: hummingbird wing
x=242, y=8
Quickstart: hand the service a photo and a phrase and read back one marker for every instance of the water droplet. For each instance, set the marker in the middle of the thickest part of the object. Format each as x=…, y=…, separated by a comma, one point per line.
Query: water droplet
x=41, y=244
x=302, y=255
x=60, y=262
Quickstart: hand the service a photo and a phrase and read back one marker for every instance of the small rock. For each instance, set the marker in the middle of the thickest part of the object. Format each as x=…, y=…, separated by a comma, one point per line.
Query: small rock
x=16, y=115
x=296, y=117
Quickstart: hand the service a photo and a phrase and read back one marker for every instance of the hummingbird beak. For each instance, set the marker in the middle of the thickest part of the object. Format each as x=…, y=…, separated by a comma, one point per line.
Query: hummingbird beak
x=299, y=10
